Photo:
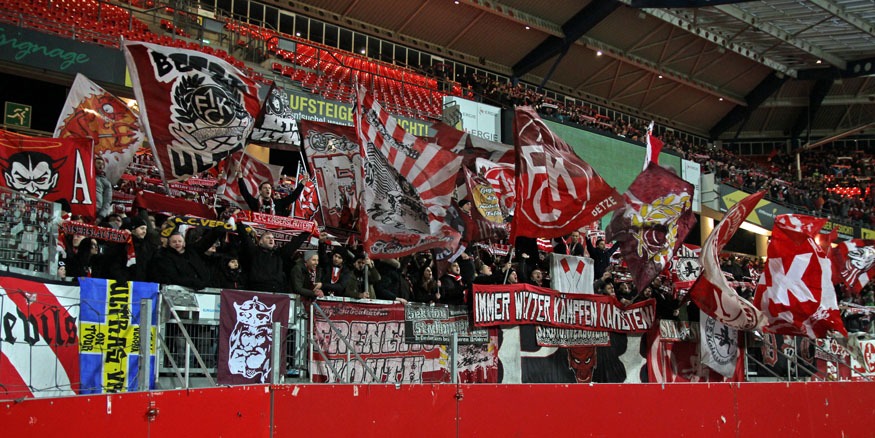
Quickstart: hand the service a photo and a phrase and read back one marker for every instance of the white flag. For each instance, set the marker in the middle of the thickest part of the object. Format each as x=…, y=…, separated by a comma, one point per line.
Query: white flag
x=718, y=346
x=572, y=274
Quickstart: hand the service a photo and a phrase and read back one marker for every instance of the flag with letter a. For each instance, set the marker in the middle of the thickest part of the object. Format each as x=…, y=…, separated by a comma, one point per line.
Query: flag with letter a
x=407, y=185
x=92, y=112
x=796, y=292
x=557, y=192
x=196, y=108
x=711, y=292
x=52, y=169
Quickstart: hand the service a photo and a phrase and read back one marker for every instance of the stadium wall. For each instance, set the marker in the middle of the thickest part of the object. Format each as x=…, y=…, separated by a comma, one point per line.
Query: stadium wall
x=713, y=410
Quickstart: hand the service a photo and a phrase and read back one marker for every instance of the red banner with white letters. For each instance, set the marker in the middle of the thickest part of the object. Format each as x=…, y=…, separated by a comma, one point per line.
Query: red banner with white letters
x=526, y=304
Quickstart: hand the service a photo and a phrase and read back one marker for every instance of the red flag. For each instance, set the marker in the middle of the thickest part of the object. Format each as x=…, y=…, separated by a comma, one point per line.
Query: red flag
x=333, y=154
x=653, y=223
x=52, y=169
x=196, y=108
x=488, y=215
x=407, y=185
x=711, y=292
x=254, y=173
x=854, y=261
x=796, y=291
x=92, y=112
x=654, y=147
x=557, y=192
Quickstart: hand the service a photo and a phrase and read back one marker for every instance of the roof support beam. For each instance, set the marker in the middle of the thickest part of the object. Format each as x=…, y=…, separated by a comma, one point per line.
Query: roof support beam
x=815, y=99
x=718, y=39
x=572, y=30
x=780, y=34
x=840, y=12
x=557, y=35
x=754, y=99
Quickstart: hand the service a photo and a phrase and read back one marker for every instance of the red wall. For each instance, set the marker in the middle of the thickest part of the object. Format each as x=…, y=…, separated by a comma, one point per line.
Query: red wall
x=750, y=409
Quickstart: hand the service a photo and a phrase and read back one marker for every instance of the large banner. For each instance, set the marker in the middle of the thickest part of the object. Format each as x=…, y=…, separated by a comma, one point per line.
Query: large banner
x=39, y=346
x=109, y=334
x=196, y=108
x=246, y=335
x=52, y=169
x=333, y=155
x=526, y=304
x=377, y=333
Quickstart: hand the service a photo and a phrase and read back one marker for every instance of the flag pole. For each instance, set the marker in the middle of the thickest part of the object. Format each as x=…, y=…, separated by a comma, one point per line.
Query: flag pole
x=509, y=258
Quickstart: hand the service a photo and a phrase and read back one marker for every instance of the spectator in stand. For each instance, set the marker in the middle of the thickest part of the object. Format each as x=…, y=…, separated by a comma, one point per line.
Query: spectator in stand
x=264, y=263
x=626, y=293
x=304, y=276
x=80, y=256
x=267, y=202
x=600, y=255
x=427, y=289
x=62, y=271
x=143, y=235
x=452, y=287
x=393, y=286
x=362, y=269
x=103, y=190
x=227, y=273
x=337, y=279
x=176, y=265
x=486, y=276
x=571, y=246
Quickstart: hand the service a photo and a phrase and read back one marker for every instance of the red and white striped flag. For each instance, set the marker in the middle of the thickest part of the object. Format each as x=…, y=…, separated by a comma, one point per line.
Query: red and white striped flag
x=711, y=292
x=654, y=147
x=254, y=171
x=796, y=292
x=407, y=185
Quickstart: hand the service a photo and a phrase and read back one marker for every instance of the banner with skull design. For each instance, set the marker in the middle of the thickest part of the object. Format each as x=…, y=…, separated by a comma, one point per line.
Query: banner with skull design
x=92, y=112
x=277, y=125
x=246, y=335
x=197, y=109
x=53, y=169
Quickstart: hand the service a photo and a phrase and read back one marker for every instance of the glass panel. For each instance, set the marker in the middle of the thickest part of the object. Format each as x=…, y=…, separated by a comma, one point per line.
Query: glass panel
x=316, y=31
x=331, y=35
x=346, y=40
x=287, y=23
x=302, y=26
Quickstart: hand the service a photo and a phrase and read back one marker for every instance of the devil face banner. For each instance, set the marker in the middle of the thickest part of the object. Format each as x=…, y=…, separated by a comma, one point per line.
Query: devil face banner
x=53, y=169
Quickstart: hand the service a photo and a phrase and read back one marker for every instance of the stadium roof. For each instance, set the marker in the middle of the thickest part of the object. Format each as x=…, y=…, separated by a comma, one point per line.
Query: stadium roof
x=723, y=69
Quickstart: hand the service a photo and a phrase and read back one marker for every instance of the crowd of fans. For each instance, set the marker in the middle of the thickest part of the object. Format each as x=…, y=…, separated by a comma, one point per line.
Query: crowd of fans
x=832, y=185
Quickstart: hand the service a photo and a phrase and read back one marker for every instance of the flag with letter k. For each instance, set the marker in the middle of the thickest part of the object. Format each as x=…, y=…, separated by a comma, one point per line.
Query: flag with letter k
x=796, y=292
